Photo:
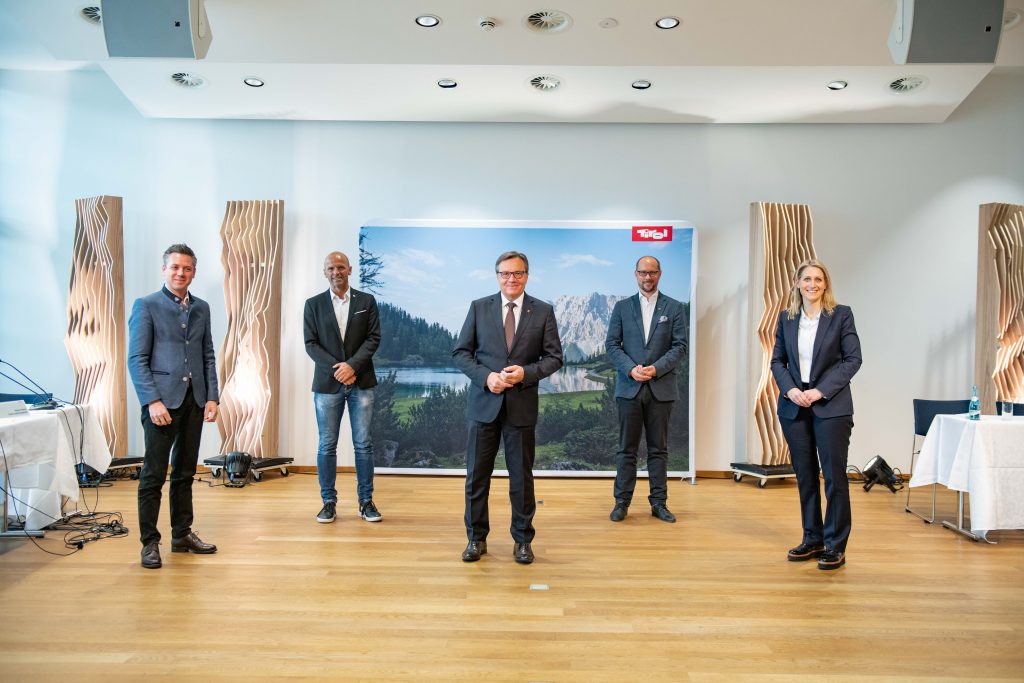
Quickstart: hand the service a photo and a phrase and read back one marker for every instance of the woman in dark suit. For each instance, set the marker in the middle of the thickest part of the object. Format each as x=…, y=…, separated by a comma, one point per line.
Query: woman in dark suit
x=817, y=352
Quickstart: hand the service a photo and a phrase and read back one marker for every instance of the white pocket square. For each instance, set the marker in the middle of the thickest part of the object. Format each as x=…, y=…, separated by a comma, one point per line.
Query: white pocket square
x=663, y=319
x=358, y=312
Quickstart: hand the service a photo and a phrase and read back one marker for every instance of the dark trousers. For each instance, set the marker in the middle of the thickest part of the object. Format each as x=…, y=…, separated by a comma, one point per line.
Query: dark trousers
x=481, y=450
x=647, y=415
x=179, y=443
x=811, y=438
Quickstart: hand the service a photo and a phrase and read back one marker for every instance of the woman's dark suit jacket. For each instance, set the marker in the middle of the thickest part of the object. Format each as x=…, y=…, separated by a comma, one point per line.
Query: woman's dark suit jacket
x=834, y=361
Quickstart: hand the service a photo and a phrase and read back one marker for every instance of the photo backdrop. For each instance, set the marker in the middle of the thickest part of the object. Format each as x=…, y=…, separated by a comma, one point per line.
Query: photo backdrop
x=424, y=274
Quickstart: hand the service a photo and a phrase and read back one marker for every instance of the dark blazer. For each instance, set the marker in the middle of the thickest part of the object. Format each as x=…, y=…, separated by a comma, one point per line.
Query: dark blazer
x=166, y=346
x=480, y=350
x=323, y=339
x=834, y=361
x=666, y=345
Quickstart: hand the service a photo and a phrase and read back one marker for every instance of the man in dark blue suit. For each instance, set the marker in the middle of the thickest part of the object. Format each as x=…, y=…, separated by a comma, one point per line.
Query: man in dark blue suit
x=508, y=344
x=341, y=328
x=647, y=337
x=171, y=362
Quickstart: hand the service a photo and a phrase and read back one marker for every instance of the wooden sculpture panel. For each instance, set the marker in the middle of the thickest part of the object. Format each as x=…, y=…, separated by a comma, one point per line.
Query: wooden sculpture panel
x=252, y=234
x=780, y=238
x=95, y=338
x=999, y=326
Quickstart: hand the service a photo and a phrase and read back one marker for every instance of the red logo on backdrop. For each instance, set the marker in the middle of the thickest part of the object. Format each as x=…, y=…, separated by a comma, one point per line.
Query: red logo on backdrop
x=652, y=233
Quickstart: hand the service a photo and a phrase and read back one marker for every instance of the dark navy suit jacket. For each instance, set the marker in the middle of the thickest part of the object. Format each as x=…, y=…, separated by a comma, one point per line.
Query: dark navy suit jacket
x=664, y=348
x=167, y=346
x=480, y=350
x=834, y=361
x=324, y=345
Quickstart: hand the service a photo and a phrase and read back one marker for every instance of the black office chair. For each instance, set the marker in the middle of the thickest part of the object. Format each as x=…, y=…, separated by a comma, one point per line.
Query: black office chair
x=1018, y=408
x=924, y=413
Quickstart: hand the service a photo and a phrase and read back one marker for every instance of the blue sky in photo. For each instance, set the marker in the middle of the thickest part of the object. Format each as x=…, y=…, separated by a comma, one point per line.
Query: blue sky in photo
x=434, y=272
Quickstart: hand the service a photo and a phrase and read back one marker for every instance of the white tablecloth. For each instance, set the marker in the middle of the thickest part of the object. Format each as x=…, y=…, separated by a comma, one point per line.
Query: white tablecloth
x=982, y=458
x=42, y=448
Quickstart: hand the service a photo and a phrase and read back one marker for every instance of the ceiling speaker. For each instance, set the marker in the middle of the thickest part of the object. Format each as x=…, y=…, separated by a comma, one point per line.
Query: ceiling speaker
x=946, y=31
x=156, y=28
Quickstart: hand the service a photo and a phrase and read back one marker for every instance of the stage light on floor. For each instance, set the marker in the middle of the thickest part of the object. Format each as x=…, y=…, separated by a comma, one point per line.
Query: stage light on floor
x=877, y=471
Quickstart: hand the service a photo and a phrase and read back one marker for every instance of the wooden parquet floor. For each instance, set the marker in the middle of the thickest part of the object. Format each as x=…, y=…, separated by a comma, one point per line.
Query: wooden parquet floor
x=711, y=598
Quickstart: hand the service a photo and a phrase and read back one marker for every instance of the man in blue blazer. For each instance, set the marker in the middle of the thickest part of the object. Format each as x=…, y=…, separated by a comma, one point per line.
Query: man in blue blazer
x=508, y=344
x=647, y=337
x=342, y=332
x=171, y=363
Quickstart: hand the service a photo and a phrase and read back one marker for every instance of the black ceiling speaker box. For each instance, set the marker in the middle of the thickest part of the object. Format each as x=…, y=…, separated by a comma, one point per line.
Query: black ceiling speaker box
x=946, y=31
x=156, y=28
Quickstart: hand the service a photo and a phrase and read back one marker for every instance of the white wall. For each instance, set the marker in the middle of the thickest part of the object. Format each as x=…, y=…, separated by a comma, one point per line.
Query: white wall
x=895, y=210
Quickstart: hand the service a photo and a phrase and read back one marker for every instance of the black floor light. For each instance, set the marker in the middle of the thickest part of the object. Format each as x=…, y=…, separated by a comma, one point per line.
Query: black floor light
x=877, y=471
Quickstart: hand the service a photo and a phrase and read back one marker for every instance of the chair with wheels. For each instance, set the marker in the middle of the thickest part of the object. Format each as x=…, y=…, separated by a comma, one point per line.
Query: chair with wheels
x=924, y=412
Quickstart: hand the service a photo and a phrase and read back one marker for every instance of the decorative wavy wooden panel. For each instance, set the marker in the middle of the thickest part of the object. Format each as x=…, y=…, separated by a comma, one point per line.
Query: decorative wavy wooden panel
x=999, y=340
x=95, y=339
x=780, y=238
x=252, y=235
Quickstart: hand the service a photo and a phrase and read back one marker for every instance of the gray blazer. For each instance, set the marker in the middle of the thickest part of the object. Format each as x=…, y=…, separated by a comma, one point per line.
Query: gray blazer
x=480, y=350
x=665, y=347
x=167, y=347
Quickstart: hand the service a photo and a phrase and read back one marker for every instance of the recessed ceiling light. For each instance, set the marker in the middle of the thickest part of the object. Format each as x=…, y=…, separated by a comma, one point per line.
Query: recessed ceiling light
x=1011, y=18
x=641, y=85
x=837, y=85
x=608, y=22
x=427, y=20
x=253, y=82
x=447, y=83
x=667, y=22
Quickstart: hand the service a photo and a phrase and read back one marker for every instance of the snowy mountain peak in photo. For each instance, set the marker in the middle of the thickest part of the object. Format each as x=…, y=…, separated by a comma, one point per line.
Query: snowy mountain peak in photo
x=583, y=323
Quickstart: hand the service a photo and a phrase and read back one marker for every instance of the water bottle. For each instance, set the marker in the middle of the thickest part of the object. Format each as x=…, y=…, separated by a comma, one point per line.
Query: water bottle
x=974, y=410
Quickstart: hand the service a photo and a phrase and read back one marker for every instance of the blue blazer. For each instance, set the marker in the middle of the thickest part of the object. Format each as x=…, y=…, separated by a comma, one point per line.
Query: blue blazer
x=324, y=345
x=480, y=350
x=665, y=347
x=167, y=346
x=835, y=359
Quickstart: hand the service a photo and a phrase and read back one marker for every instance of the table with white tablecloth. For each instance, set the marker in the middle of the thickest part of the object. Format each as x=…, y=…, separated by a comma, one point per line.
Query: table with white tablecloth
x=40, y=451
x=983, y=458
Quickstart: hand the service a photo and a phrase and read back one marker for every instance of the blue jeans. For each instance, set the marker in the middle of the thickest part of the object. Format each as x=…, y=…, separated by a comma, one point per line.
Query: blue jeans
x=330, y=408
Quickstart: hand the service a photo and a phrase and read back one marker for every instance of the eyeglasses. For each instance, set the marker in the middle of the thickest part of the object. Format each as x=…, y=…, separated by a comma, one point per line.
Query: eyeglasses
x=648, y=273
x=514, y=274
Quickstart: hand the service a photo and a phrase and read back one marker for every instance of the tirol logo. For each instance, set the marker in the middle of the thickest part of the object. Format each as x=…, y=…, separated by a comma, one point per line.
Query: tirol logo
x=652, y=233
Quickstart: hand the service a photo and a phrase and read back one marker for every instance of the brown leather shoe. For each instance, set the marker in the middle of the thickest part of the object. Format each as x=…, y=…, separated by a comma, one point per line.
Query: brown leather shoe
x=474, y=550
x=523, y=553
x=192, y=544
x=151, y=556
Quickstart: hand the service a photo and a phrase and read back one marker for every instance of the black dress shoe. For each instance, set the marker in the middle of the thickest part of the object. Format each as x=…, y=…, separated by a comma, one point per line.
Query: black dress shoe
x=661, y=512
x=619, y=512
x=151, y=556
x=192, y=544
x=523, y=553
x=805, y=551
x=474, y=550
x=831, y=559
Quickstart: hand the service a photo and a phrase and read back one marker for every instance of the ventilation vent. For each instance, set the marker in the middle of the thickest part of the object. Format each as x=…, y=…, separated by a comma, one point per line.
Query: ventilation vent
x=187, y=80
x=545, y=83
x=92, y=14
x=907, y=84
x=548, y=21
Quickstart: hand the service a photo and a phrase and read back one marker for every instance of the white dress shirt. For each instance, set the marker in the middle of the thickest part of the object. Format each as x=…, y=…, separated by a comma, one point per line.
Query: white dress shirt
x=341, y=304
x=647, y=312
x=517, y=312
x=805, y=344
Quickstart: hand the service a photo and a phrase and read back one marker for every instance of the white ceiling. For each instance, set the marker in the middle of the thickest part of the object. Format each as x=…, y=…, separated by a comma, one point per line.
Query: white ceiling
x=730, y=61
